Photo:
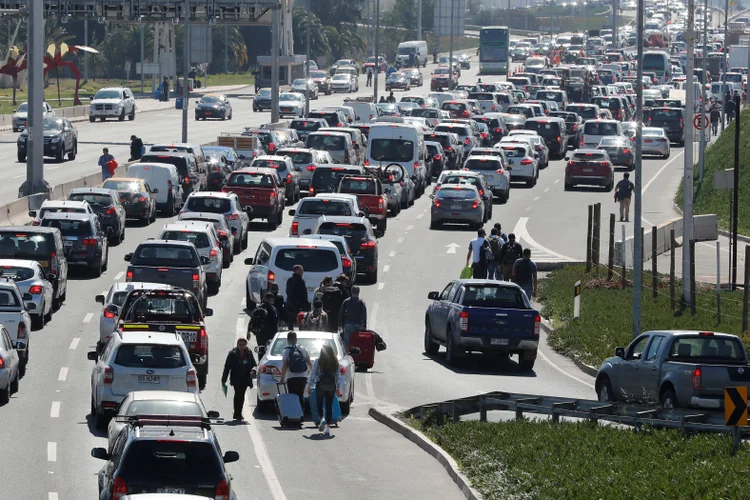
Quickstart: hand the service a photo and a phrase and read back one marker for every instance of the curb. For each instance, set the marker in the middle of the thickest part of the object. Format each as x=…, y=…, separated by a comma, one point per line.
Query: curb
x=722, y=232
x=587, y=369
x=416, y=437
x=552, y=266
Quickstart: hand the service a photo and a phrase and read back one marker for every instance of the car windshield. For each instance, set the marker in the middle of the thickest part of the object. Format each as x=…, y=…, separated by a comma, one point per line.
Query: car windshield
x=305, y=125
x=108, y=94
x=325, y=142
x=396, y=150
x=16, y=273
x=358, y=186
x=165, y=256
x=315, y=260
x=53, y=125
x=25, y=246
x=164, y=407
x=441, y=71
x=264, y=93
x=200, y=240
x=122, y=186
x=600, y=129
x=456, y=193
x=207, y=204
x=70, y=227
x=313, y=206
x=707, y=348
x=299, y=82
x=210, y=99
x=313, y=345
x=493, y=296
x=154, y=460
x=291, y=97
x=23, y=108
x=318, y=74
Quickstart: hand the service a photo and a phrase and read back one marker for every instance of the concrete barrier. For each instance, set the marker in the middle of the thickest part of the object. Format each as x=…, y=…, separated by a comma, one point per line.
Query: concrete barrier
x=16, y=213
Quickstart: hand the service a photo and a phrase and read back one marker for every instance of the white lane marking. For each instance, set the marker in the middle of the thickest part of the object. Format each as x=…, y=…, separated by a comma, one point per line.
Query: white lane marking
x=119, y=275
x=74, y=343
x=553, y=365
x=52, y=495
x=546, y=189
x=63, y=374
x=535, y=199
x=243, y=302
x=386, y=268
x=452, y=247
x=392, y=254
x=651, y=181
x=51, y=168
x=409, y=228
x=400, y=239
x=88, y=317
x=419, y=216
x=239, y=329
x=523, y=234
x=558, y=180
x=54, y=411
x=381, y=285
x=19, y=176
x=274, y=485
x=51, y=452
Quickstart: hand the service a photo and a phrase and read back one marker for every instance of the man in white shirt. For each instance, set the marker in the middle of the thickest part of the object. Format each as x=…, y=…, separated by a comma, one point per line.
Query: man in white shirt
x=476, y=257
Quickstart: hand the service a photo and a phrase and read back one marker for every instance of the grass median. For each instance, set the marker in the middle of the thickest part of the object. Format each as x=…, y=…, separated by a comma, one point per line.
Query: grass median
x=544, y=460
x=606, y=312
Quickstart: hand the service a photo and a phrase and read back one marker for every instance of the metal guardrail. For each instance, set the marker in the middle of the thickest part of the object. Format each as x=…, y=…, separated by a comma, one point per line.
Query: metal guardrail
x=634, y=415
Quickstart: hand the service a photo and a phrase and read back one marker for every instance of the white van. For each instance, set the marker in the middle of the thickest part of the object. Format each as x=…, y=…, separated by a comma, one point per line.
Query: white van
x=164, y=181
x=416, y=47
x=364, y=112
x=396, y=141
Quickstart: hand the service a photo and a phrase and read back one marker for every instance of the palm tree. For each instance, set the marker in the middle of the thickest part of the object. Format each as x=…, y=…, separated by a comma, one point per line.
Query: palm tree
x=344, y=43
x=238, y=56
x=318, y=39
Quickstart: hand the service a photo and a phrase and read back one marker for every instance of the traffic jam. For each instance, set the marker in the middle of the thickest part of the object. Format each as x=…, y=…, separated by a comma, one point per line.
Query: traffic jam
x=339, y=173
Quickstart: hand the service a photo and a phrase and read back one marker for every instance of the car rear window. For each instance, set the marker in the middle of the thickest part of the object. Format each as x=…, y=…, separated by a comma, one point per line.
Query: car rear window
x=462, y=131
x=305, y=125
x=596, y=128
x=314, y=206
x=52, y=210
x=585, y=112
x=126, y=186
x=156, y=407
x=118, y=298
x=493, y=296
x=208, y=204
x=25, y=246
x=708, y=348
x=453, y=106
x=165, y=256
x=149, y=356
x=70, y=227
x=543, y=127
x=588, y=156
x=359, y=186
x=392, y=150
x=513, y=152
x=298, y=157
x=456, y=193
x=275, y=164
x=665, y=114
x=424, y=113
x=316, y=260
x=178, y=161
x=265, y=138
x=200, y=240
x=95, y=200
x=161, y=306
x=482, y=164
x=8, y=300
x=17, y=273
x=354, y=231
x=549, y=96
x=481, y=96
x=331, y=118
x=325, y=142
x=250, y=179
x=195, y=461
x=460, y=179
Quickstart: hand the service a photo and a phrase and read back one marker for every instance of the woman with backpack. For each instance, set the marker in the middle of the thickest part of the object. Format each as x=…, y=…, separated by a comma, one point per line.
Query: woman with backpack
x=315, y=320
x=324, y=379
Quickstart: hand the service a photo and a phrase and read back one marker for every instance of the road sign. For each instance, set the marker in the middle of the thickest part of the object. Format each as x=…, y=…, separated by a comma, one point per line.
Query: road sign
x=697, y=122
x=701, y=126
x=735, y=406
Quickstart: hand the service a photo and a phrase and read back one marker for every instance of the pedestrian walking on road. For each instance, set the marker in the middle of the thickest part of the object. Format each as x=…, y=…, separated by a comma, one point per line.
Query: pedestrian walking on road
x=295, y=363
x=353, y=315
x=391, y=98
x=512, y=251
x=296, y=295
x=715, y=117
x=525, y=274
x=730, y=109
x=324, y=378
x=317, y=319
x=435, y=54
x=104, y=160
x=239, y=368
x=165, y=90
x=623, y=193
x=494, y=267
x=369, y=77
x=479, y=248
x=136, y=148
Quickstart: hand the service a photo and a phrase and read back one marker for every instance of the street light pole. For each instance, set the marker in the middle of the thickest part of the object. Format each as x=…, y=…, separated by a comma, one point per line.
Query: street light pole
x=419, y=20
x=143, y=29
x=702, y=147
x=185, y=71
x=687, y=179
x=307, y=63
x=724, y=74
x=638, y=237
x=450, y=57
x=275, y=33
x=85, y=54
x=377, y=51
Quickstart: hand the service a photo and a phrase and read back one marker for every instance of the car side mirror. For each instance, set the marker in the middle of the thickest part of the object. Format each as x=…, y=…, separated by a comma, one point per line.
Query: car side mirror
x=127, y=257
x=620, y=352
x=433, y=295
x=99, y=299
x=567, y=158
x=213, y=414
x=231, y=456
x=361, y=214
x=208, y=312
x=155, y=191
x=249, y=261
x=100, y=453
x=356, y=146
x=205, y=260
x=292, y=212
x=92, y=355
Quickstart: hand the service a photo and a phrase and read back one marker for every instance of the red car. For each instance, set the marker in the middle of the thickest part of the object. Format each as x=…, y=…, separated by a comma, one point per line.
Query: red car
x=261, y=192
x=442, y=78
x=589, y=167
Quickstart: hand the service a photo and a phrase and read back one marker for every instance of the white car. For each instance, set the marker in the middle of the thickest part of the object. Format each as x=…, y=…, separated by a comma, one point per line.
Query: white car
x=227, y=204
x=274, y=262
x=204, y=237
x=292, y=104
x=112, y=302
x=654, y=141
x=21, y=116
x=309, y=210
x=269, y=370
x=35, y=289
x=78, y=207
x=113, y=102
x=15, y=318
x=10, y=367
x=344, y=82
x=138, y=361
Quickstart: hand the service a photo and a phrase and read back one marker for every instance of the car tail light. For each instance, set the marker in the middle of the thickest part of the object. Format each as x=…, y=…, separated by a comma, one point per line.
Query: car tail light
x=270, y=370
x=697, y=378
x=475, y=204
x=682, y=124
x=367, y=164
x=463, y=321
x=196, y=282
x=289, y=177
x=35, y=290
x=119, y=488
x=203, y=339
x=448, y=148
x=295, y=228
x=575, y=126
x=368, y=244
x=537, y=325
x=272, y=147
x=35, y=222
x=466, y=114
x=109, y=314
x=109, y=374
x=271, y=276
x=222, y=490
x=581, y=144
x=559, y=138
x=223, y=234
x=436, y=203
x=483, y=135
x=89, y=241
x=129, y=276
x=526, y=161
x=232, y=216
x=142, y=199
x=21, y=333
x=186, y=180
x=311, y=168
x=191, y=377
x=498, y=130
x=346, y=262
x=342, y=370
x=437, y=157
x=346, y=156
x=626, y=151
x=467, y=141
x=169, y=183
x=212, y=253
x=111, y=211
x=2, y=363
x=500, y=171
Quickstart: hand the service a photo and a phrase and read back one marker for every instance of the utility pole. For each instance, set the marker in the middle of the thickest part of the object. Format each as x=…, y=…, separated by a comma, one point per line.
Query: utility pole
x=450, y=57
x=85, y=54
x=369, y=29
x=35, y=138
x=377, y=51
x=275, y=34
x=143, y=29
x=307, y=63
x=687, y=216
x=615, y=15
x=702, y=147
x=419, y=20
x=735, y=194
x=638, y=236
x=226, y=48
x=185, y=71
x=724, y=74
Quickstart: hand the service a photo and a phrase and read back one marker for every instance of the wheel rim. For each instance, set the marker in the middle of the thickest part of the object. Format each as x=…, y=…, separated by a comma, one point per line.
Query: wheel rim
x=604, y=393
x=668, y=403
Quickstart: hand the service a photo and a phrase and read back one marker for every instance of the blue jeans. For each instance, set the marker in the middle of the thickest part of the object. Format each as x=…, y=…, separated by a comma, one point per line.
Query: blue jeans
x=528, y=290
x=493, y=273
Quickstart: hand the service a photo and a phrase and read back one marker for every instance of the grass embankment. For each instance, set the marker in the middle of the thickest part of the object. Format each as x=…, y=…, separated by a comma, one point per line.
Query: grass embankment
x=606, y=312
x=543, y=460
x=720, y=156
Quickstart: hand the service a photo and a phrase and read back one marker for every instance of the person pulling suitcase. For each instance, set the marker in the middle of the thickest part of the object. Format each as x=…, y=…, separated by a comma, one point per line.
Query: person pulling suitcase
x=296, y=364
x=324, y=383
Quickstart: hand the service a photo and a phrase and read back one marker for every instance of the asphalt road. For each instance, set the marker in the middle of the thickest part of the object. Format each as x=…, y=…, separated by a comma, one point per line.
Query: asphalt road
x=48, y=435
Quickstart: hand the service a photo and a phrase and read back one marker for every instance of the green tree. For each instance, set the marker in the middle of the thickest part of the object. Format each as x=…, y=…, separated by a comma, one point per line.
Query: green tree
x=318, y=38
x=344, y=43
x=338, y=13
x=122, y=44
x=238, y=57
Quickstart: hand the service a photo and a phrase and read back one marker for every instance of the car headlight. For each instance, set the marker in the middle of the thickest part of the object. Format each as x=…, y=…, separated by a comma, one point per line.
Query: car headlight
x=118, y=105
x=92, y=106
x=55, y=139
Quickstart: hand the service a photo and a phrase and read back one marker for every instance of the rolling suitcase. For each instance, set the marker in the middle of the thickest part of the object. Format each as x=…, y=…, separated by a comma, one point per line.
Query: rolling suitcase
x=288, y=408
x=365, y=342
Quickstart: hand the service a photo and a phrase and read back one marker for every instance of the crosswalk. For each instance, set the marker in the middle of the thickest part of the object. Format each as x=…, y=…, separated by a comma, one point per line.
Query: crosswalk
x=539, y=253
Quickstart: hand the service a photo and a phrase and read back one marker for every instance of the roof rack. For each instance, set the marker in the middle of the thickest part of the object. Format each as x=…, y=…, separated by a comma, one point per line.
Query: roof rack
x=166, y=420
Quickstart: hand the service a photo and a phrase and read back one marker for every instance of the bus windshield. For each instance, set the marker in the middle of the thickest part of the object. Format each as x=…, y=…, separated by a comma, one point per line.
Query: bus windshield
x=493, y=45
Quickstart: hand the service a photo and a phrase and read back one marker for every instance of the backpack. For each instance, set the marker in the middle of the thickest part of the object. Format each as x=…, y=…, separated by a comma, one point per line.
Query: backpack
x=297, y=360
x=312, y=322
x=496, y=244
x=485, y=253
x=511, y=252
x=523, y=272
x=327, y=381
x=258, y=318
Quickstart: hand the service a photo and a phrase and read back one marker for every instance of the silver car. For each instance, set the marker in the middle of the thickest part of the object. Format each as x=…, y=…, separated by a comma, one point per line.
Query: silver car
x=269, y=370
x=523, y=163
x=292, y=104
x=492, y=165
x=36, y=291
x=21, y=116
x=457, y=203
x=654, y=141
x=10, y=372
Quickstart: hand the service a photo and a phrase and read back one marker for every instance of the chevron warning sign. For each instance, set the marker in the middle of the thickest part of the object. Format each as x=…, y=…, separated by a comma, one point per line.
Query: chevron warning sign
x=735, y=406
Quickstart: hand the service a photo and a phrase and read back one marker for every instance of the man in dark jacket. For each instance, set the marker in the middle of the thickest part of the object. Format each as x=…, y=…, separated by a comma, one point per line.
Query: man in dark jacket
x=353, y=315
x=296, y=295
x=239, y=368
x=136, y=148
x=511, y=252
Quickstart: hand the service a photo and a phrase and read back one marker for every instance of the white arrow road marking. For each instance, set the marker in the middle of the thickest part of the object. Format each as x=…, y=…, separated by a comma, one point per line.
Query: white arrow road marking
x=523, y=234
x=452, y=247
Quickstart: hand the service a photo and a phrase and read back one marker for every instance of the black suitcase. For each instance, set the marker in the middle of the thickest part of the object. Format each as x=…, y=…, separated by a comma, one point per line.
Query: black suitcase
x=288, y=408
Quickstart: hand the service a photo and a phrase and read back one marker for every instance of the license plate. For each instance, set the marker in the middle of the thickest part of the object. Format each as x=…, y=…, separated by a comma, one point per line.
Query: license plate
x=208, y=113
x=588, y=170
x=649, y=140
x=499, y=341
x=148, y=379
x=68, y=244
x=455, y=207
x=179, y=491
x=189, y=337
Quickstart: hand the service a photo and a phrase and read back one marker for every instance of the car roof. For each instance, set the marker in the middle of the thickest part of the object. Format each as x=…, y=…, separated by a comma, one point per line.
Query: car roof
x=17, y=262
x=284, y=241
x=163, y=395
x=139, y=285
x=167, y=242
x=127, y=179
x=589, y=151
x=482, y=157
x=506, y=284
x=210, y=194
x=140, y=337
x=70, y=215
x=28, y=229
x=195, y=225
x=256, y=170
x=95, y=190
x=64, y=203
x=345, y=219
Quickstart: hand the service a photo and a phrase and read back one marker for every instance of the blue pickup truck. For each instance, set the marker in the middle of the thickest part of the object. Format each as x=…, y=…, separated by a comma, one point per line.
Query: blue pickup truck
x=484, y=316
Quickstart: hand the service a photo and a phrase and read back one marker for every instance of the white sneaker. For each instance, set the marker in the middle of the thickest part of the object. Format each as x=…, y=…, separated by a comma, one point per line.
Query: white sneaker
x=322, y=425
x=327, y=431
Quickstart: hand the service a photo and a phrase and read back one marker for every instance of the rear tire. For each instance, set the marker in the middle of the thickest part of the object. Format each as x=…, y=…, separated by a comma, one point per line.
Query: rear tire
x=668, y=399
x=37, y=322
x=526, y=365
x=202, y=379
x=430, y=346
x=451, y=356
x=14, y=383
x=5, y=395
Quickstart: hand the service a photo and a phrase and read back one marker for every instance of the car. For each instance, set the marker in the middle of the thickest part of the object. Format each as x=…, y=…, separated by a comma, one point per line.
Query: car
x=363, y=240
x=270, y=366
x=457, y=109
x=338, y=144
x=414, y=76
x=370, y=63
x=138, y=360
x=492, y=165
x=306, y=160
x=344, y=82
x=86, y=243
x=464, y=60
x=554, y=133
x=594, y=130
x=573, y=126
x=333, y=117
x=620, y=151
x=348, y=262
x=136, y=197
x=288, y=173
x=262, y=100
x=305, y=126
x=203, y=235
x=346, y=64
x=106, y=205
x=465, y=136
x=471, y=178
x=261, y=192
x=457, y=203
x=156, y=453
x=397, y=80
x=395, y=141
x=112, y=102
x=51, y=206
x=21, y=116
x=275, y=259
x=213, y=106
x=224, y=154
x=292, y=104
x=322, y=81
x=522, y=160
x=192, y=177
x=227, y=204
x=590, y=167
x=193, y=149
x=60, y=139
x=443, y=78
x=220, y=223
x=15, y=319
x=438, y=157
x=537, y=143
x=309, y=210
x=654, y=141
x=10, y=366
x=217, y=171
x=672, y=120
x=305, y=87
x=452, y=145
x=36, y=290
x=165, y=182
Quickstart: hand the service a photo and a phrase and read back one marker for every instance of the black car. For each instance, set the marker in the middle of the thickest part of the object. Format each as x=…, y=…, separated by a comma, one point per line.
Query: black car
x=553, y=131
x=136, y=197
x=672, y=120
x=437, y=158
x=415, y=76
x=262, y=100
x=213, y=106
x=573, y=126
x=452, y=148
x=304, y=126
x=325, y=178
x=106, y=205
x=60, y=139
x=397, y=81
x=496, y=126
x=158, y=453
x=84, y=241
x=362, y=240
